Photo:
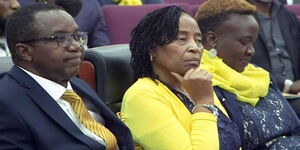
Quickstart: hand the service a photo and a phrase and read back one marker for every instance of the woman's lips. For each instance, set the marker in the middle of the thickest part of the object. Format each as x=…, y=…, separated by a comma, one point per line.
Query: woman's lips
x=245, y=61
x=193, y=62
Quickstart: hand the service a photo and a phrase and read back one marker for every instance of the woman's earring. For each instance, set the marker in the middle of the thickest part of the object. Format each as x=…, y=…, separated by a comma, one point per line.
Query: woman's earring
x=212, y=53
x=151, y=58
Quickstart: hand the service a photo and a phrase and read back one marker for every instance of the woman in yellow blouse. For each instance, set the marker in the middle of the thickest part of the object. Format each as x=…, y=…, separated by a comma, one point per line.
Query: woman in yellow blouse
x=171, y=106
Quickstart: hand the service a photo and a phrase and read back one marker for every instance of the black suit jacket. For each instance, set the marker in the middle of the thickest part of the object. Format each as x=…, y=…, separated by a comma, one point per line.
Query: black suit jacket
x=290, y=30
x=31, y=120
x=283, y=1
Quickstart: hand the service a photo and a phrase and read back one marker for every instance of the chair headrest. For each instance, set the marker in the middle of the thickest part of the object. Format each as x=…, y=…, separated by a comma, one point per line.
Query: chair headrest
x=114, y=74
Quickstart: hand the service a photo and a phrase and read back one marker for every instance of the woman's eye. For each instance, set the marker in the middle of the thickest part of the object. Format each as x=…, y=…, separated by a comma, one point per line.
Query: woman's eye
x=246, y=41
x=243, y=42
x=181, y=39
x=199, y=41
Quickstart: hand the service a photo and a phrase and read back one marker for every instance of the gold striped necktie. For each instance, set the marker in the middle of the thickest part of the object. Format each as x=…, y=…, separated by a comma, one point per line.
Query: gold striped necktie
x=87, y=120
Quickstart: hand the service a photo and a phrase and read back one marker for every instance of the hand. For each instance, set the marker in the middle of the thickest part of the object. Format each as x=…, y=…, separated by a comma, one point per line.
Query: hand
x=295, y=87
x=198, y=84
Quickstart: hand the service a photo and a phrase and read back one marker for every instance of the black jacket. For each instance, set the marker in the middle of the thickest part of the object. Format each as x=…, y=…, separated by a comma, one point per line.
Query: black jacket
x=290, y=30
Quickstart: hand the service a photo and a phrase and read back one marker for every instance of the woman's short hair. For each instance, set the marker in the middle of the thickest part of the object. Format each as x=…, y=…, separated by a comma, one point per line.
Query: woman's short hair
x=212, y=13
x=157, y=28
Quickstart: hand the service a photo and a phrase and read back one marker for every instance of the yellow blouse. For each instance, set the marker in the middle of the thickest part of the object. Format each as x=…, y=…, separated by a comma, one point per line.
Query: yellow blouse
x=159, y=120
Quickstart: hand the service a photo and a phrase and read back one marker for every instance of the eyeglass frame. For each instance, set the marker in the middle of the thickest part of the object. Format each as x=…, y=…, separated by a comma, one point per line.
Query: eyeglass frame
x=55, y=36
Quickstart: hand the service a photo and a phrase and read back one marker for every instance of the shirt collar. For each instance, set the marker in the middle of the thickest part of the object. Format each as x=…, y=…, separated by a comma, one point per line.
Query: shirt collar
x=54, y=89
x=275, y=7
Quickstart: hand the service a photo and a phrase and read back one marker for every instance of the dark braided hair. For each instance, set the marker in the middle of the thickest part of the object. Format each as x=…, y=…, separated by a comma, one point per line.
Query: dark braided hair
x=157, y=28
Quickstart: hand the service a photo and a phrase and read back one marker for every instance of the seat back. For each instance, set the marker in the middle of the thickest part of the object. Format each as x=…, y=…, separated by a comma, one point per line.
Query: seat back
x=120, y=20
x=113, y=72
x=88, y=73
x=5, y=64
x=191, y=2
x=295, y=8
x=194, y=9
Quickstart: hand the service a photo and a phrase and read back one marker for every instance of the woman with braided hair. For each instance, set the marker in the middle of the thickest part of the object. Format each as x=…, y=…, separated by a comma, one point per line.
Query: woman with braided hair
x=171, y=106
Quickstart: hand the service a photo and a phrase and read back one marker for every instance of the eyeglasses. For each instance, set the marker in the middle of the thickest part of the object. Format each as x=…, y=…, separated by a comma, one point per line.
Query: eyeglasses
x=64, y=39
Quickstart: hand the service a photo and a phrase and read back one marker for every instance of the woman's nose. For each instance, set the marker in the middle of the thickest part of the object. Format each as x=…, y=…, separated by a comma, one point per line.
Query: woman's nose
x=195, y=47
x=250, y=50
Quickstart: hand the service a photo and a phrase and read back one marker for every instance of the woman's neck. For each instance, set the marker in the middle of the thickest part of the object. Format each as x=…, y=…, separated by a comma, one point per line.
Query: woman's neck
x=169, y=79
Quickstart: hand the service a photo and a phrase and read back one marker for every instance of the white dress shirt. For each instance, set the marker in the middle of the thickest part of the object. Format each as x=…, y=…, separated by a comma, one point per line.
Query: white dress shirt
x=56, y=91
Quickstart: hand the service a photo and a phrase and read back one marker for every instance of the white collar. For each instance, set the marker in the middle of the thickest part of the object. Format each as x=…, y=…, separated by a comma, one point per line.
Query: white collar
x=54, y=89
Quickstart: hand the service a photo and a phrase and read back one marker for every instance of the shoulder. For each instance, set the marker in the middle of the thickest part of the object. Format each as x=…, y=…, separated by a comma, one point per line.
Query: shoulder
x=145, y=91
x=81, y=86
x=79, y=82
x=10, y=87
x=91, y=2
x=90, y=6
x=144, y=86
x=288, y=15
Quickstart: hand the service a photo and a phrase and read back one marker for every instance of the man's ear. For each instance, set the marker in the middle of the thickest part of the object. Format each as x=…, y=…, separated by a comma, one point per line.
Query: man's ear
x=24, y=52
x=211, y=39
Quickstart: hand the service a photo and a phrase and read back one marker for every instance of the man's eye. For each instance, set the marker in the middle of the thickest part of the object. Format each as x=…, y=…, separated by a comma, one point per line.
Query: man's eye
x=78, y=37
x=61, y=38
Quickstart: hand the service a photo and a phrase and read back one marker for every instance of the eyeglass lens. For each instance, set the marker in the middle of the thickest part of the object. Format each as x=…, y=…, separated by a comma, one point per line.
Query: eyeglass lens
x=65, y=40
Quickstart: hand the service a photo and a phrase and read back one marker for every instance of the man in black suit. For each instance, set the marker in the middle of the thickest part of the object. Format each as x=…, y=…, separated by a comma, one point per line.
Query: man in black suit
x=35, y=114
x=277, y=48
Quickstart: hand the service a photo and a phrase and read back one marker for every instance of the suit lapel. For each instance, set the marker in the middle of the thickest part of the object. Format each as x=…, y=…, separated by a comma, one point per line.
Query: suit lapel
x=113, y=123
x=48, y=105
x=260, y=33
x=94, y=99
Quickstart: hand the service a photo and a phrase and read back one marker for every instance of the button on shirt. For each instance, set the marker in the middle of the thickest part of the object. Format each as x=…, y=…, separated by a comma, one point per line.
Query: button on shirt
x=56, y=91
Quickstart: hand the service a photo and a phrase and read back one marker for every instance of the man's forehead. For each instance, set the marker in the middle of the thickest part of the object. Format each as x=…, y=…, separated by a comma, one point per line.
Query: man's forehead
x=52, y=14
x=53, y=19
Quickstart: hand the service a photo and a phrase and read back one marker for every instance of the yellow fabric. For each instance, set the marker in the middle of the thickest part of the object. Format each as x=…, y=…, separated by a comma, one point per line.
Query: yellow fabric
x=159, y=120
x=128, y=2
x=86, y=119
x=248, y=86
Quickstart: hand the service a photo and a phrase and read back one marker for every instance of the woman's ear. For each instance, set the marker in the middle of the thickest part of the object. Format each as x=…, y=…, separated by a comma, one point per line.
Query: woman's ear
x=152, y=55
x=211, y=39
x=24, y=52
